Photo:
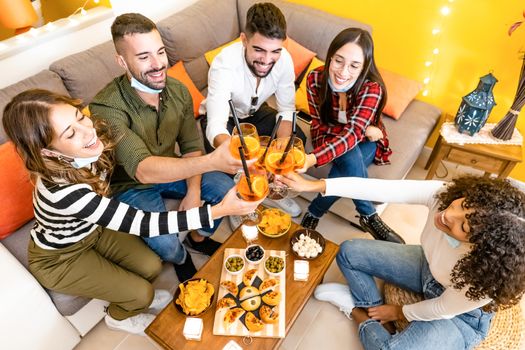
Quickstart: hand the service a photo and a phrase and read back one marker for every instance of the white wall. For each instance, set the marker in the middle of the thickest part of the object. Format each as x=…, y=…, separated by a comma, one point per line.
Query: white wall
x=39, y=56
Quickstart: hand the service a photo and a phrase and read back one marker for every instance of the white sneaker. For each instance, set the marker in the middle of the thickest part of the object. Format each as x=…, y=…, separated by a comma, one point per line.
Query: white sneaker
x=336, y=294
x=135, y=324
x=161, y=299
x=287, y=204
x=235, y=221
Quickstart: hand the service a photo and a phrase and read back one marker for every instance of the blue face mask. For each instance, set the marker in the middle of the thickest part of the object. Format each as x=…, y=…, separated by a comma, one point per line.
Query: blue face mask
x=345, y=89
x=141, y=87
x=454, y=243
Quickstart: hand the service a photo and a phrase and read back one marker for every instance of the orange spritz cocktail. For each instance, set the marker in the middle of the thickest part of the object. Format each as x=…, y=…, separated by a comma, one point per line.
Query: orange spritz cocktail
x=259, y=187
x=299, y=156
x=275, y=154
x=251, y=139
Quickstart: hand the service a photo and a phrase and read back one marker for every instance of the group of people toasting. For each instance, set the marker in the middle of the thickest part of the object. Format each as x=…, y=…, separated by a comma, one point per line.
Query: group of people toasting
x=101, y=180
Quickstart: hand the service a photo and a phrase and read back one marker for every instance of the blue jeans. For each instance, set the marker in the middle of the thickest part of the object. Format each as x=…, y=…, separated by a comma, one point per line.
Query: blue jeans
x=214, y=186
x=353, y=163
x=405, y=266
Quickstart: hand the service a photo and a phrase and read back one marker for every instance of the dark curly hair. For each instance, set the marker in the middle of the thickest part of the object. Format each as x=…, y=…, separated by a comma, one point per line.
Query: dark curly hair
x=495, y=267
x=267, y=20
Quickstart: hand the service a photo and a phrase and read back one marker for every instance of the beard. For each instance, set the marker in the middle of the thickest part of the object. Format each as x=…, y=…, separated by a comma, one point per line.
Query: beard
x=143, y=78
x=251, y=66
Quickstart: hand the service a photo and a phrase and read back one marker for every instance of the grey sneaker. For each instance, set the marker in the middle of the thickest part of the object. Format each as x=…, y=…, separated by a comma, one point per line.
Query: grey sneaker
x=161, y=299
x=134, y=324
x=336, y=294
x=287, y=204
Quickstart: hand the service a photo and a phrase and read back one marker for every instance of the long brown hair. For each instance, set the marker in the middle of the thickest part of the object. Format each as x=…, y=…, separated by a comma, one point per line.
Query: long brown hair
x=26, y=123
x=370, y=72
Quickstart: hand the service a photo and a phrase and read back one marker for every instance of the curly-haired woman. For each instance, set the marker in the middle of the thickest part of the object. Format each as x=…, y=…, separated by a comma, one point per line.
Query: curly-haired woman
x=78, y=245
x=471, y=261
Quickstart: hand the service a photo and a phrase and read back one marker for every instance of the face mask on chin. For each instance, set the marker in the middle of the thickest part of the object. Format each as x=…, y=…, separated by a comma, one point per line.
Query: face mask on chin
x=141, y=87
x=344, y=89
x=454, y=243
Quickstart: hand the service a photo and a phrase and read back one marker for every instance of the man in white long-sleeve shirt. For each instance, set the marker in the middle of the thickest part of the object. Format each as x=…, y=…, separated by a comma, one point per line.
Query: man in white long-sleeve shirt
x=249, y=72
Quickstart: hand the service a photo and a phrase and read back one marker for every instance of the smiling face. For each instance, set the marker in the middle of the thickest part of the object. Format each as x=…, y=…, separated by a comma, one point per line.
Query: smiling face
x=261, y=53
x=346, y=65
x=453, y=220
x=143, y=55
x=73, y=133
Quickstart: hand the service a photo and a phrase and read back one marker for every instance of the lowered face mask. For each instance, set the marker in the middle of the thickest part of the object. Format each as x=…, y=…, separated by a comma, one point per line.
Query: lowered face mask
x=344, y=89
x=454, y=243
x=141, y=87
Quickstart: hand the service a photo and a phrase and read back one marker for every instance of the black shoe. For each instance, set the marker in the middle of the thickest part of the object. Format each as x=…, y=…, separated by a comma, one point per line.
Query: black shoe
x=186, y=270
x=208, y=246
x=378, y=229
x=309, y=221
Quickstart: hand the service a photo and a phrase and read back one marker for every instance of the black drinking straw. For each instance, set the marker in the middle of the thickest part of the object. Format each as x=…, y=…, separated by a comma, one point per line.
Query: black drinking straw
x=287, y=149
x=294, y=123
x=272, y=137
x=238, y=125
x=245, y=167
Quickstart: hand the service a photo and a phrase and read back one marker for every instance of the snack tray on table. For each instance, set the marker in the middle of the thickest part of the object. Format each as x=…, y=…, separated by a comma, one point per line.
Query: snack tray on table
x=276, y=330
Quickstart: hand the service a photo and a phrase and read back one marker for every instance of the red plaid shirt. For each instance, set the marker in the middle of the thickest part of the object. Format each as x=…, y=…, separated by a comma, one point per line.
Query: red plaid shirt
x=335, y=139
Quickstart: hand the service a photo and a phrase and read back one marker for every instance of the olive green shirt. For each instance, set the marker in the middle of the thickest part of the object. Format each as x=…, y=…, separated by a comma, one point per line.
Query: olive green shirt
x=141, y=131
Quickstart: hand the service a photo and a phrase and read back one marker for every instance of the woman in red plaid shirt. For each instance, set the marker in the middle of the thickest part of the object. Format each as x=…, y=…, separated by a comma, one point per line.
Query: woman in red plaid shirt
x=346, y=98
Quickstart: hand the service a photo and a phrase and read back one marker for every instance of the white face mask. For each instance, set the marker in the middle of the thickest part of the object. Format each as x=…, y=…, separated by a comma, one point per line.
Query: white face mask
x=141, y=87
x=344, y=89
x=76, y=162
x=454, y=243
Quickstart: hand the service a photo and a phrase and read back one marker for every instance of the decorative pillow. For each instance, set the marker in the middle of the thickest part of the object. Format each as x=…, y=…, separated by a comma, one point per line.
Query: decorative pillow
x=178, y=72
x=16, y=206
x=210, y=55
x=400, y=92
x=301, y=56
x=301, y=101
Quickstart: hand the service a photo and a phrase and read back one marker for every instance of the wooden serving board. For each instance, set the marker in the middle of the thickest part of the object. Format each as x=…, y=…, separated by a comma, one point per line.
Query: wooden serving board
x=276, y=330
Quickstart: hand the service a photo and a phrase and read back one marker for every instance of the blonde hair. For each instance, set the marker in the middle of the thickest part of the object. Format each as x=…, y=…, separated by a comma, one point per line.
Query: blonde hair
x=26, y=123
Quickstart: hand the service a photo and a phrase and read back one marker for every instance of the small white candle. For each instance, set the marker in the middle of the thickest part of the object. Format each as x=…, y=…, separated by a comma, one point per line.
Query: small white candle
x=301, y=270
x=249, y=232
x=232, y=345
x=193, y=328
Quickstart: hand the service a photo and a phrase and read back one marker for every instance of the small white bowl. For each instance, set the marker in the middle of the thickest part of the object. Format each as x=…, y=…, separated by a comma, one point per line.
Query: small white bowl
x=256, y=262
x=271, y=273
x=226, y=263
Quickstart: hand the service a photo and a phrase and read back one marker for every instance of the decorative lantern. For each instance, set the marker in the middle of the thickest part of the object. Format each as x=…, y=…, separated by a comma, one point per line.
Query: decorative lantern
x=17, y=14
x=476, y=106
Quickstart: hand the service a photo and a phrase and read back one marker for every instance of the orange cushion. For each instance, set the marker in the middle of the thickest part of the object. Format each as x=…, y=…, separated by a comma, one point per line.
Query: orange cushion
x=400, y=92
x=16, y=206
x=301, y=56
x=301, y=100
x=178, y=72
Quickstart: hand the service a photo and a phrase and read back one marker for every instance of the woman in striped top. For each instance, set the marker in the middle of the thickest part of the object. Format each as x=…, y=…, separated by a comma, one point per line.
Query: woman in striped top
x=78, y=244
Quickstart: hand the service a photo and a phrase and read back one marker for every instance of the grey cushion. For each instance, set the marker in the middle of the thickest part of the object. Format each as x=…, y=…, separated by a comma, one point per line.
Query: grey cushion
x=198, y=71
x=44, y=80
x=310, y=27
x=17, y=244
x=407, y=137
x=87, y=72
x=199, y=28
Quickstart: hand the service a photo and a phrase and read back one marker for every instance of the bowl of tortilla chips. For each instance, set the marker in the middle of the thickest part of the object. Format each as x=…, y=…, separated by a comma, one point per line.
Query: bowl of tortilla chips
x=194, y=297
x=274, y=222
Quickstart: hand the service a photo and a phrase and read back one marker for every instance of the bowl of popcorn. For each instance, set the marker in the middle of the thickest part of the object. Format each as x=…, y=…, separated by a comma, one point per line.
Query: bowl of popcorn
x=307, y=244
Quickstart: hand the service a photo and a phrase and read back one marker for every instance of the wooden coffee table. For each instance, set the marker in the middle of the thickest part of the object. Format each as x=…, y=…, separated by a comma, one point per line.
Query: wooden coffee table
x=166, y=329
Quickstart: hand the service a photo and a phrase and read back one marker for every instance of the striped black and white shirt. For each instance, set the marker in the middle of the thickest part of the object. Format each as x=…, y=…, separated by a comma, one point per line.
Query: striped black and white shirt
x=67, y=213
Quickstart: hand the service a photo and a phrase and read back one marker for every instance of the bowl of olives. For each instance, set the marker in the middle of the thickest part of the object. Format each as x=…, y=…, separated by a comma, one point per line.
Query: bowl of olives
x=254, y=254
x=274, y=265
x=234, y=264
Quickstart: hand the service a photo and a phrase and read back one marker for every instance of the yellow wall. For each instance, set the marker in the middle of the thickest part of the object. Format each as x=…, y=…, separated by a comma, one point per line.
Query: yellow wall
x=473, y=42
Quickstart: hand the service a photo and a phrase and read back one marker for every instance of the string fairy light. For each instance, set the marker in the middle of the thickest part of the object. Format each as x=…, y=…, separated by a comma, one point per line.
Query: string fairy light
x=430, y=62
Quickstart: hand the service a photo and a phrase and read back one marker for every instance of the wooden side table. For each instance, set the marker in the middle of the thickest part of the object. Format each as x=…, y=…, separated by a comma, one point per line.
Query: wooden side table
x=490, y=158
